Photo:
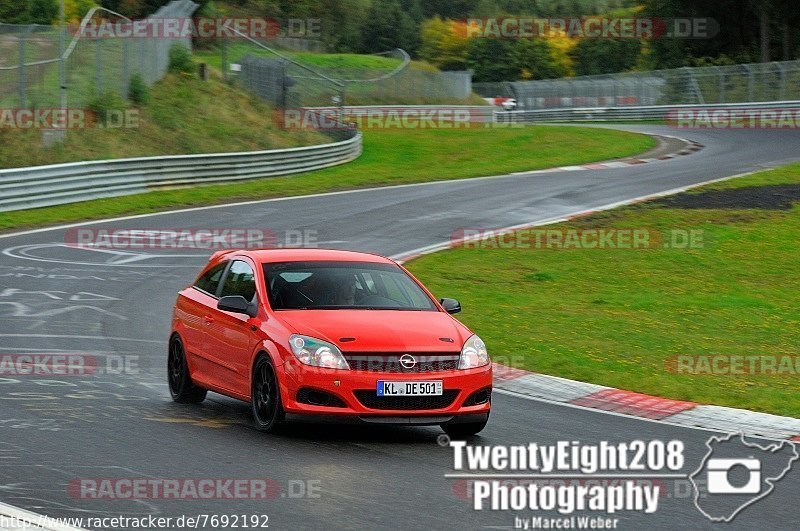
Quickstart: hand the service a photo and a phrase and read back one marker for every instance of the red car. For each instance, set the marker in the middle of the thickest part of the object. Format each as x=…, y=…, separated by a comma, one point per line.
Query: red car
x=324, y=333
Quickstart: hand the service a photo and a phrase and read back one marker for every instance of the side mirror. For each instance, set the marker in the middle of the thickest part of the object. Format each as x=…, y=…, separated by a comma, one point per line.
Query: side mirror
x=237, y=304
x=451, y=306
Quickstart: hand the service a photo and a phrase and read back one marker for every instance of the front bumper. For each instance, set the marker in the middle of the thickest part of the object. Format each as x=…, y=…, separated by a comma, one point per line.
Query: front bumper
x=355, y=395
x=417, y=420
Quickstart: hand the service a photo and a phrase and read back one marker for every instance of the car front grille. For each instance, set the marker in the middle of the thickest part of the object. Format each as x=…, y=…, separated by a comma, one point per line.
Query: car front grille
x=390, y=362
x=371, y=400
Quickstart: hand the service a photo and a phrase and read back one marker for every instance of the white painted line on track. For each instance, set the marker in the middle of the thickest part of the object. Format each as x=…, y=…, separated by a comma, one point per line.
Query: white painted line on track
x=32, y=521
x=622, y=415
x=60, y=336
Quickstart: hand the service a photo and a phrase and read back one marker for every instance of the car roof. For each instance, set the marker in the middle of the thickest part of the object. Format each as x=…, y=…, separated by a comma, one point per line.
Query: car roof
x=267, y=256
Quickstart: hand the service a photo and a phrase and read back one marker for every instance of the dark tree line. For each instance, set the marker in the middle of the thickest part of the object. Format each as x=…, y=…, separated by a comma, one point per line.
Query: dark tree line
x=749, y=30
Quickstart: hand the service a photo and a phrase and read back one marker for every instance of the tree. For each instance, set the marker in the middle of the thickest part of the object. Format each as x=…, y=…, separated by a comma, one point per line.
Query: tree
x=453, y=9
x=749, y=31
x=75, y=10
x=534, y=60
x=341, y=29
x=11, y=11
x=388, y=27
x=492, y=60
x=605, y=56
x=42, y=12
x=28, y=11
x=444, y=43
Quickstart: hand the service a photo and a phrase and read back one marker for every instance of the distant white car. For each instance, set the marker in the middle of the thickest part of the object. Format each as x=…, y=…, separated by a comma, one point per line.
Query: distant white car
x=507, y=104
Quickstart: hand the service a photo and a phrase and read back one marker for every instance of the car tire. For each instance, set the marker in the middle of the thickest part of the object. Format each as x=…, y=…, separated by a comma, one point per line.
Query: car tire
x=465, y=430
x=181, y=387
x=266, y=396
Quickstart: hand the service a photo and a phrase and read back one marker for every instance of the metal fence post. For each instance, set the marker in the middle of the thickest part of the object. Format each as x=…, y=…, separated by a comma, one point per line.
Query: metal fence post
x=156, y=58
x=223, y=50
x=98, y=68
x=22, y=40
x=642, y=94
x=782, y=90
x=126, y=74
x=142, y=60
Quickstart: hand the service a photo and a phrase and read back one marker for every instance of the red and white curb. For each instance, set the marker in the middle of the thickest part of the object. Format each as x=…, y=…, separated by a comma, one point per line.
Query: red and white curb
x=689, y=414
x=688, y=149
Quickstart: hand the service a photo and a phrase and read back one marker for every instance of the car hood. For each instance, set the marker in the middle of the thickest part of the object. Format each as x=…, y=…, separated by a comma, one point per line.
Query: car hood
x=379, y=330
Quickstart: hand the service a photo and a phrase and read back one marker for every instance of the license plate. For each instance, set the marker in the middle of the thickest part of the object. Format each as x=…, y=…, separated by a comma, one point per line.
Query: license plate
x=409, y=388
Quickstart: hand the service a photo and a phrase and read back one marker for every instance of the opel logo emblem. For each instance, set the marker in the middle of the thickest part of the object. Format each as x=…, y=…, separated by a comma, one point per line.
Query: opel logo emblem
x=408, y=361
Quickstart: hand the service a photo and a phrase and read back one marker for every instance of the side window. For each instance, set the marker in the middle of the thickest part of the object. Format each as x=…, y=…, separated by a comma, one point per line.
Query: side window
x=240, y=281
x=210, y=281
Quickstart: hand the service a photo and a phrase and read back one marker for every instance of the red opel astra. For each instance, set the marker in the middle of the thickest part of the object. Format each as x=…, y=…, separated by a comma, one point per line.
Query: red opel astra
x=323, y=333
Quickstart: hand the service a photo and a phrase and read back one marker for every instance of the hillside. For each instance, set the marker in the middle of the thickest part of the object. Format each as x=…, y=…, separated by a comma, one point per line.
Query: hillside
x=183, y=115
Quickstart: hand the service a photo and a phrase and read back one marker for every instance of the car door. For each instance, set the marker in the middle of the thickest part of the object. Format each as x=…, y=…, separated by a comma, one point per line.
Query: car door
x=194, y=310
x=232, y=335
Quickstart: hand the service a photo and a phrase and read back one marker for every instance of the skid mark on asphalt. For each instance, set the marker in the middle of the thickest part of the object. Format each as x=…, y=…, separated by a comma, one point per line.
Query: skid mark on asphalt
x=57, y=295
x=67, y=274
x=82, y=337
x=21, y=309
x=28, y=493
x=61, y=253
x=215, y=423
x=58, y=405
x=38, y=424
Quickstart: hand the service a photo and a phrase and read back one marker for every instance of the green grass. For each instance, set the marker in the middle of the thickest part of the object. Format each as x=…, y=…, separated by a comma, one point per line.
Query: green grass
x=420, y=83
x=183, y=116
x=391, y=156
x=348, y=61
x=614, y=317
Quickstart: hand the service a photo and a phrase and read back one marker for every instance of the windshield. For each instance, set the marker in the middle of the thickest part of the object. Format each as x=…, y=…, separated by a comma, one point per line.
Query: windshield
x=343, y=285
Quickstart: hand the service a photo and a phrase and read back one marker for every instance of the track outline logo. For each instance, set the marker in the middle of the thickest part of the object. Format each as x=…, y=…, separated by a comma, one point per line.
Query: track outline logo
x=763, y=493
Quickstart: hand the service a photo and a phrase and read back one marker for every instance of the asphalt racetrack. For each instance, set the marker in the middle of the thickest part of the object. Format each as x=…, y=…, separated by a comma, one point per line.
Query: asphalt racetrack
x=58, y=299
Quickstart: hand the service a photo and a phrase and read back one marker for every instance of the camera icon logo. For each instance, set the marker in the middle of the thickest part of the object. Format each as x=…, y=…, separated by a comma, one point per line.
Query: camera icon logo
x=719, y=472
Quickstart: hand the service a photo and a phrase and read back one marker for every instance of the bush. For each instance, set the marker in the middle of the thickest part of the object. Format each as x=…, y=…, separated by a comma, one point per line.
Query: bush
x=138, y=92
x=107, y=104
x=180, y=59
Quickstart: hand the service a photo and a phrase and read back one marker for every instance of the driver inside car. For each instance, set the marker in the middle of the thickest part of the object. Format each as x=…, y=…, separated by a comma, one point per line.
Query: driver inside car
x=342, y=290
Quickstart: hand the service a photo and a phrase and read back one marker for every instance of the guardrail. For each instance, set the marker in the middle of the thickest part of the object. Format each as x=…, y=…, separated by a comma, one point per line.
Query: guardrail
x=81, y=181
x=652, y=112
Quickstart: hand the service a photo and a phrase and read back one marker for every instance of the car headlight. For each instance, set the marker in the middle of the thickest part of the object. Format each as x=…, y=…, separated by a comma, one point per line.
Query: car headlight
x=473, y=354
x=317, y=353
